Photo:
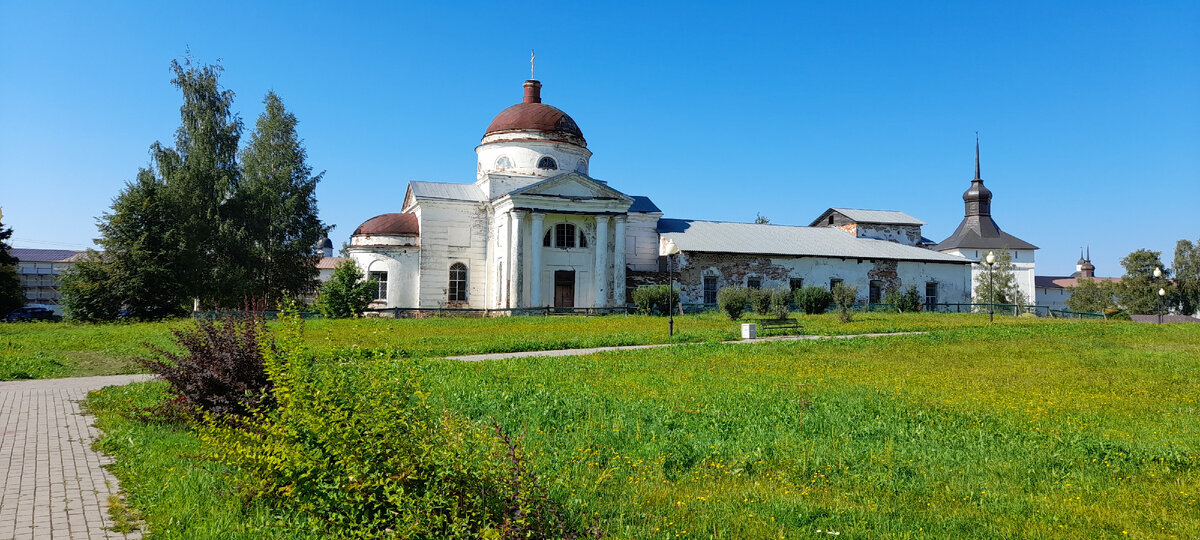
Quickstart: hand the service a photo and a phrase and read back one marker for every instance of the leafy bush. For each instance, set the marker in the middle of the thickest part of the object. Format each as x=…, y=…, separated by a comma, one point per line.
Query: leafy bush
x=346, y=294
x=781, y=302
x=733, y=300
x=760, y=301
x=813, y=300
x=908, y=301
x=844, y=295
x=653, y=299
x=355, y=449
x=221, y=369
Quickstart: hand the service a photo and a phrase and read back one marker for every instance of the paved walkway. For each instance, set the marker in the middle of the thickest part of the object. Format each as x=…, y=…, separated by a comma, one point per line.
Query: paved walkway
x=55, y=485
x=592, y=350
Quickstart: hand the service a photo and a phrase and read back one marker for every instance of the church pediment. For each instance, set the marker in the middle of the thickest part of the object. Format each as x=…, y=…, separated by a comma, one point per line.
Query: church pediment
x=572, y=186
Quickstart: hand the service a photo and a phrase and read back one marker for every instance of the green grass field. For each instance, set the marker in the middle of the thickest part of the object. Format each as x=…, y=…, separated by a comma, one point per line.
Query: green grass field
x=1023, y=429
x=47, y=350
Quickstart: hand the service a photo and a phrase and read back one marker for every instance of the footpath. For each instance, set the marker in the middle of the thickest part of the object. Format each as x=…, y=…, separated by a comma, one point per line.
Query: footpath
x=55, y=485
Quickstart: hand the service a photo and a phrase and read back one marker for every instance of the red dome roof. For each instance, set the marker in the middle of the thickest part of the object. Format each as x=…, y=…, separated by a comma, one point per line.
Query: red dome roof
x=533, y=115
x=390, y=224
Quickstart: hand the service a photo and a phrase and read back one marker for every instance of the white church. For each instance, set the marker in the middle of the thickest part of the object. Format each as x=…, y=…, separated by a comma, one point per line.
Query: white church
x=536, y=230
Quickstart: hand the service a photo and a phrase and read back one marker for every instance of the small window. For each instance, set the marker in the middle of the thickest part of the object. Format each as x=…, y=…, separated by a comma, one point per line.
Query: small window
x=831, y=219
x=381, y=279
x=876, y=291
x=795, y=283
x=754, y=282
x=710, y=289
x=931, y=296
x=564, y=235
x=547, y=162
x=581, y=167
x=503, y=162
x=457, y=291
x=833, y=283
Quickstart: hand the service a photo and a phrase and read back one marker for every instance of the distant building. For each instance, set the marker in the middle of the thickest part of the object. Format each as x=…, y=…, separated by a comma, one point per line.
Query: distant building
x=39, y=270
x=1054, y=291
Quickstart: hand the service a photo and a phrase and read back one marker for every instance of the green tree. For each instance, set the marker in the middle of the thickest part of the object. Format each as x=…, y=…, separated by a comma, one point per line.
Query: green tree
x=761, y=219
x=998, y=284
x=12, y=296
x=89, y=289
x=844, y=296
x=278, y=201
x=1092, y=296
x=346, y=294
x=1138, y=291
x=1187, y=276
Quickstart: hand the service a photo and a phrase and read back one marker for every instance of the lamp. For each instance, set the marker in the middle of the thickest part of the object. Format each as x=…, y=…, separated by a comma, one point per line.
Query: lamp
x=671, y=249
x=1161, y=293
x=991, y=260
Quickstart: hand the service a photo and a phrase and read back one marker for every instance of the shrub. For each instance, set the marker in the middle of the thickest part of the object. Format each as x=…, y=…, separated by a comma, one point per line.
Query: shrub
x=844, y=295
x=653, y=299
x=733, y=300
x=813, y=300
x=781, y=302
x=760, y=301
x=355, y=449
x=908, y=301
x=346, y=294
x=220, y=369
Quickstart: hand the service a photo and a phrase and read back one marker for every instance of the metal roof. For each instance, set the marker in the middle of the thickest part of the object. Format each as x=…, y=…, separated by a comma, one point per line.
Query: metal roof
x=446, y=191
x=752, y=238
x=643, y=204
x=889, y=217
x=43, y=255
x=981, y=232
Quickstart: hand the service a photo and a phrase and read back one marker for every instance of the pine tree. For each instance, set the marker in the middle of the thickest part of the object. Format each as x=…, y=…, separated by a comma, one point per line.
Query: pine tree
x=278, y=202
x=12, y=296
x=998, y=284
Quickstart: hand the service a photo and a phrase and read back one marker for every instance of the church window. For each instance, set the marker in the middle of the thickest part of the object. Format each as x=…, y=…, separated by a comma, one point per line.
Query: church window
x=931, y=296
x=503, y=162
x=754, y=282
x=457, y=292
x=547, y=162
x=710, y=289
x=581, y=167
x=564, y=235
x=381, y=279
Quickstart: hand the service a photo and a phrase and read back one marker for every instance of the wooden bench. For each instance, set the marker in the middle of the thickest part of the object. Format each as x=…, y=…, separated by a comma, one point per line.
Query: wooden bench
x=777, y=324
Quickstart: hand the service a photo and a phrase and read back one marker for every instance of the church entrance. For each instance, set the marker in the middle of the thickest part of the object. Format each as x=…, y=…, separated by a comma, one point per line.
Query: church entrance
x=564, y=288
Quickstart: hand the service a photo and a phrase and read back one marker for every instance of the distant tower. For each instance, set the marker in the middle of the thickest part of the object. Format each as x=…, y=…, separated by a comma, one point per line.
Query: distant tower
x=1085, y=269
x=325, y=247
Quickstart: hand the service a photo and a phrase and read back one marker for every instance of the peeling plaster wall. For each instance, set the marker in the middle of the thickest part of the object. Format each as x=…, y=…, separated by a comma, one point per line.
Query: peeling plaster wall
x=641, y=241
x=909, y=235
x=734, y=269
x=452, y=232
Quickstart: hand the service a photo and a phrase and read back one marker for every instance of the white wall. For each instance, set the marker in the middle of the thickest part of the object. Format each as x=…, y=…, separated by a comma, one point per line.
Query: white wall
x=452, y=232
x=1023, y=269
x=524, y=156
x=641, y=241
x=401, y=264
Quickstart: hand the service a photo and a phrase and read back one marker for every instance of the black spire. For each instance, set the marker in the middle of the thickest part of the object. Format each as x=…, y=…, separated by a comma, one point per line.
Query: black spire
x=977, y=197
x=977, y=177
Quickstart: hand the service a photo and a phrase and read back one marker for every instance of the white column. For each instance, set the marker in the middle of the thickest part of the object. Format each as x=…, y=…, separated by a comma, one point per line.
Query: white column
x=535, y=260
x=514, y=258
x=618, y=287
x=601, y=275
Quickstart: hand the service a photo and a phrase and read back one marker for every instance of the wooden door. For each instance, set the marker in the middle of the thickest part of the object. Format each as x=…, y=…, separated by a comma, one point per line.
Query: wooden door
x=564, y=288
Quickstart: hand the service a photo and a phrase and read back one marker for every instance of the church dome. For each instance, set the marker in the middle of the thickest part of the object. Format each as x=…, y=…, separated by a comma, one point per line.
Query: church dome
x=533, y=118
x=389, y=224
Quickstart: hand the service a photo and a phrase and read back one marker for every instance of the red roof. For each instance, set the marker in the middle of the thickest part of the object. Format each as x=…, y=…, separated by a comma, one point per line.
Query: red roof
x=1065, y=282
x=398, y=224
x=533, y=115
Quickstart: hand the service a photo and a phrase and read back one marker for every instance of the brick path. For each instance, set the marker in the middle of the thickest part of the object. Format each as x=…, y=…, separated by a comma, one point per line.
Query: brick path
x=55, y=485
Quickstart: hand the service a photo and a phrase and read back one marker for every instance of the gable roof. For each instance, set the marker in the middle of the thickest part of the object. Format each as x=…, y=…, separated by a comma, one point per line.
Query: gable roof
x=765, y=239
x=579, y=178
x=44, y=255
x=445, y=191
x=643, y=204
x=886, y=217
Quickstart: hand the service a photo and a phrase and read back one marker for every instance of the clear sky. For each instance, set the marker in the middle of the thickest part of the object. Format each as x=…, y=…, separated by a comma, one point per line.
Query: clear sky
x=1088, y=112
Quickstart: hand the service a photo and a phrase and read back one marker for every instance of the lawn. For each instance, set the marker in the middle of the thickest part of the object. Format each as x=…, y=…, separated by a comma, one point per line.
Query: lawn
x=47, y=350
x=1026, y=428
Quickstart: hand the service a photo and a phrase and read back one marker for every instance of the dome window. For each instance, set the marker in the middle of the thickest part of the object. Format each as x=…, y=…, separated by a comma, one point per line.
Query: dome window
x=547, y=162
x=503, y=162
x=581, y=167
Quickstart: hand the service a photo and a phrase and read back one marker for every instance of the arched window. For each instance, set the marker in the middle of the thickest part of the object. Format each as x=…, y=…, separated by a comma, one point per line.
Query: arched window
x=457, y=291
x=503, y=162
x=547, y=162
x=547, y=240
x=581, y=167
x=564, y=235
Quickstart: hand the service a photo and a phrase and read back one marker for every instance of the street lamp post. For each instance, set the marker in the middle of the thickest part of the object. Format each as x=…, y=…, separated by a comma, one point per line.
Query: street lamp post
x=991, y=260
x=1161, y=293
x=672, y=249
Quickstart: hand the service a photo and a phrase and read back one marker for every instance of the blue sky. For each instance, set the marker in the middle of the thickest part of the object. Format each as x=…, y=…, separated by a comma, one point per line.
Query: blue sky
x=1088, y=112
